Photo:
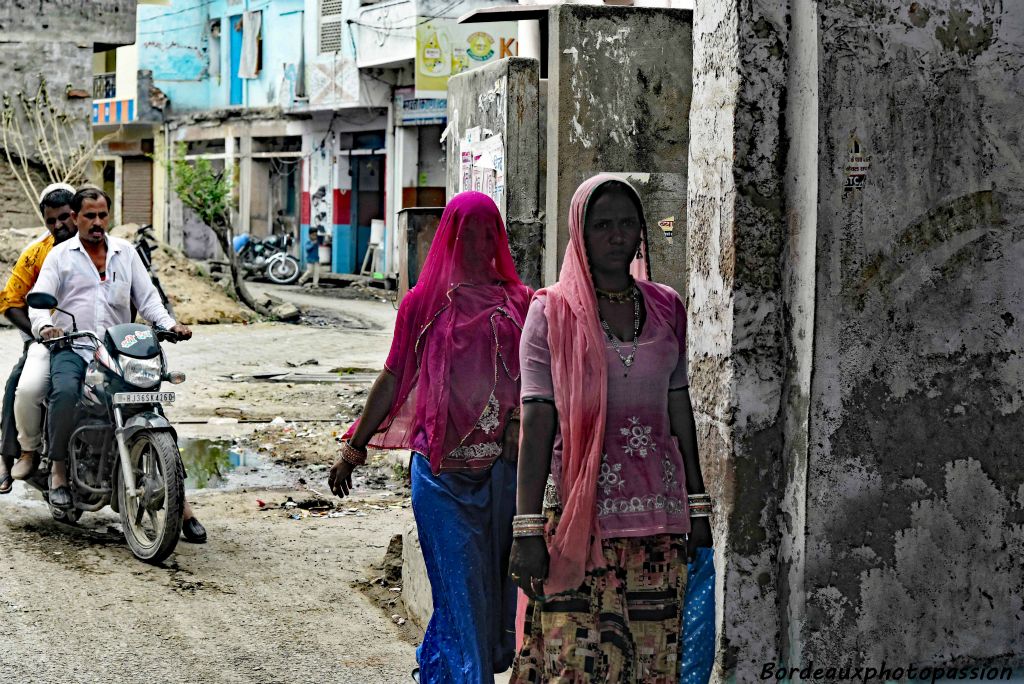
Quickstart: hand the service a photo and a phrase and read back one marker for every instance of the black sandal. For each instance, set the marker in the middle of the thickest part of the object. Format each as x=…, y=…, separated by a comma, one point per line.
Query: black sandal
x=6, y=484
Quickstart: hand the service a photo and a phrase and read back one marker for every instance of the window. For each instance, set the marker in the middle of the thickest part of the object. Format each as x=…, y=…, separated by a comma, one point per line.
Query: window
x=214, y=54
x=331, y=23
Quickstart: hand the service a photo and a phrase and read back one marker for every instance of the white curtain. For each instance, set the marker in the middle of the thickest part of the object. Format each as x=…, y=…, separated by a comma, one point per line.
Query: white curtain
x=251, y=24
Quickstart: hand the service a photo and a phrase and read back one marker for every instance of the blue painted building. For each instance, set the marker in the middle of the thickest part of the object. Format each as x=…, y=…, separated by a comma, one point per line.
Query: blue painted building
x=211, y=55
x=270, y=92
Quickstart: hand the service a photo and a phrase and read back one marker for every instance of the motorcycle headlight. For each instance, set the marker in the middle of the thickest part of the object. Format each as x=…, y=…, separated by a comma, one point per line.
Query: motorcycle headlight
x=142, y=372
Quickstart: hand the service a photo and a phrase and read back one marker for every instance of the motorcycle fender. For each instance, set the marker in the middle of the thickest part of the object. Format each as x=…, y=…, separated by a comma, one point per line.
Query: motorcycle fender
x=147, y=420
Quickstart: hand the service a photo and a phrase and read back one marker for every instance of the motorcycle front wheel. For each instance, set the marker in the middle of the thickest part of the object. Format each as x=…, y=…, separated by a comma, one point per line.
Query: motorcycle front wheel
x=151, y=521
x=284, y=271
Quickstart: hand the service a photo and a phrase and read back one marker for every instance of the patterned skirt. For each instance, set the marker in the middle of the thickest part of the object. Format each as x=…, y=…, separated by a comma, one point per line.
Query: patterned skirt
x=621, y=626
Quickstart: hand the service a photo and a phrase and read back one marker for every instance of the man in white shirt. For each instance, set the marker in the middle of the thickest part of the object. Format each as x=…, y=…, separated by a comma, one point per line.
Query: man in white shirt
x=97, y=278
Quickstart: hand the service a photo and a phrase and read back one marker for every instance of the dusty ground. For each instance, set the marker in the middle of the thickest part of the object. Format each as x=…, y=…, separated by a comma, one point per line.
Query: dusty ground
x=273, y=596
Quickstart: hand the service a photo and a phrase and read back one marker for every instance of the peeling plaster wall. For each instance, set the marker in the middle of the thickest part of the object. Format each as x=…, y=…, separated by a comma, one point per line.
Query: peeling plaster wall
x=916, y=485
x=503, y=98
x=53, y=39
x=856, y=235
x=737, y=340
x=618, y=100
x=194, y=69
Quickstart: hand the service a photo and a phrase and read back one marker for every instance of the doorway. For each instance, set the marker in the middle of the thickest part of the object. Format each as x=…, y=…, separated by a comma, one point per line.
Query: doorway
x=367, y=200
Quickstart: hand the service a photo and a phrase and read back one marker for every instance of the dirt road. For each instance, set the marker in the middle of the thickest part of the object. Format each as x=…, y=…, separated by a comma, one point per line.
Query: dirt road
x=270, y=597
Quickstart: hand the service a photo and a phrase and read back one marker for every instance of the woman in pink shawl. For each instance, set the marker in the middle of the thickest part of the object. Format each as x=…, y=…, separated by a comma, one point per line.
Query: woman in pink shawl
x=609, y=477
x=450, y=393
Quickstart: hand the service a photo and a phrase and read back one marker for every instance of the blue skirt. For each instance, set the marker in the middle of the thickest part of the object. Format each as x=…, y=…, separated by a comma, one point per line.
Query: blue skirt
x=464, y=521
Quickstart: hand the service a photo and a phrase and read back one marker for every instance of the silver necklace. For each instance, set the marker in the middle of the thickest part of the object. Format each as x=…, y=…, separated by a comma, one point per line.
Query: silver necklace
x=627, y=361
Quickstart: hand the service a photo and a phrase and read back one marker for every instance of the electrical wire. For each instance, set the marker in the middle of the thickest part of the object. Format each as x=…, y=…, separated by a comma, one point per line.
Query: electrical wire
x=163, y=15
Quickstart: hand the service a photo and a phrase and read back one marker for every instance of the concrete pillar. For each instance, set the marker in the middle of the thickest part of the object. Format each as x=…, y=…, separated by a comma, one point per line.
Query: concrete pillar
x=504, y=98
x=529, y=39
x=853, y=344
x=406, y=179
x=245, y=182
x=393, y=178
x=230, y=150
x=618, y=98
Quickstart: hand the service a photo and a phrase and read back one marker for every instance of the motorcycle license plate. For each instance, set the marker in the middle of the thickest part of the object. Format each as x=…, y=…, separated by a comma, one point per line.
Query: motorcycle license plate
x=122, y=398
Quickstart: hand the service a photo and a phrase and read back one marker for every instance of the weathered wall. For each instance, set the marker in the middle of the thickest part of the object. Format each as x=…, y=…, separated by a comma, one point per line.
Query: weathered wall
x=104, y=22
x=194, y=70
x=916, y=484
x=618, y=101
x=504, y=97
x=856, y=229
x=52, y=41
x=737, y=346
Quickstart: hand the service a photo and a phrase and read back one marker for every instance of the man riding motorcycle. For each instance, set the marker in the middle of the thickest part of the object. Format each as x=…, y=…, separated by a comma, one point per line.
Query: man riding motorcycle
x=34, y=366
x=97, y=278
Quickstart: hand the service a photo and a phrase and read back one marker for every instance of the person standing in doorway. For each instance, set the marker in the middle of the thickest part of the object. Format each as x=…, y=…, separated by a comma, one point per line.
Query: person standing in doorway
x=450, y=393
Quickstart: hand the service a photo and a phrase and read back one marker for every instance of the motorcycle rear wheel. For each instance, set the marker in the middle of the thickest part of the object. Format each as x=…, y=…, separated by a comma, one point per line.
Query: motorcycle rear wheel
x=285, y=271
x=152, y=522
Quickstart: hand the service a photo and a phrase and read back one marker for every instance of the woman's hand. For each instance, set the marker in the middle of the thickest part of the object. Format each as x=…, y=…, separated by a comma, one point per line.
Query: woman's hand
x=700, y=536
x=528, y=565
x=340, y=480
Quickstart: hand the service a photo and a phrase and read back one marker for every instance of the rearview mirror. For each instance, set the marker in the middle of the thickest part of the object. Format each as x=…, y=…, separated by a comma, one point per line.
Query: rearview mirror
x=41, y=300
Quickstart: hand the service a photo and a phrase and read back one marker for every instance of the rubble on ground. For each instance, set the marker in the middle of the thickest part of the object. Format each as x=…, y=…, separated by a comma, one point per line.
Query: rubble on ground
x=196, y=298
x=316, y=445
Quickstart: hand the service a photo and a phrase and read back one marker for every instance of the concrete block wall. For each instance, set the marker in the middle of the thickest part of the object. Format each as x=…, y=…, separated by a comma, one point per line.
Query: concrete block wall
x=107, y=23
x=619, y=87
x=53, y=40
x=915, y=497
x=504, y=97
x=855, y=240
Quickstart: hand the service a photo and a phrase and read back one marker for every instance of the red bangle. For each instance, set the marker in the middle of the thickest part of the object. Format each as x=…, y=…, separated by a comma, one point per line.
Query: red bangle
x=351, y=455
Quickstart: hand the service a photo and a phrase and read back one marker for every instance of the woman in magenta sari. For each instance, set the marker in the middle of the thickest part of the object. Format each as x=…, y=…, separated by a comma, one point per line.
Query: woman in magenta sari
x=609, y=480
x=450, y=393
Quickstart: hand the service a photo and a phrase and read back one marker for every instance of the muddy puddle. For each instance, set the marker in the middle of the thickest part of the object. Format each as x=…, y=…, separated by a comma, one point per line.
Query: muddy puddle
x=223, y=464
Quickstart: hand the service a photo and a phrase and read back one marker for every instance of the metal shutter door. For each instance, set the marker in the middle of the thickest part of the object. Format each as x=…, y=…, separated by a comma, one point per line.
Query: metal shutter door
x=137, y=191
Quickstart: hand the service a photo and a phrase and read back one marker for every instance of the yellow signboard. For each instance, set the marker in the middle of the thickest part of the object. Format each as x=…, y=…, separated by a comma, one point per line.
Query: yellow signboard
x=445, y=48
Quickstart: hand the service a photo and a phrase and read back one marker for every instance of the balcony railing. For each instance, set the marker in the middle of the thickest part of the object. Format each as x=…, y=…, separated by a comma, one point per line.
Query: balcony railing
x=104, y=86
x=141, y=104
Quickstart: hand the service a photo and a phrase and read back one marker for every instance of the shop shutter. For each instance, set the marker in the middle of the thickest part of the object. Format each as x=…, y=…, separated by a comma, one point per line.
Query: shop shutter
x=137, y=191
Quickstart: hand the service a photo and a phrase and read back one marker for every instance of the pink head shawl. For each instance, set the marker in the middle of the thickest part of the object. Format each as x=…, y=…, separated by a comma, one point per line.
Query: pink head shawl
x=443, y=398
x=579, y=375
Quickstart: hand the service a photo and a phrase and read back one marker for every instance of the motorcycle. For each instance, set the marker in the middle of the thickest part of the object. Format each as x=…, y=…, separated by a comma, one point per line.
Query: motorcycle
x=144, y=246
x=123, y=451
x=268, y=258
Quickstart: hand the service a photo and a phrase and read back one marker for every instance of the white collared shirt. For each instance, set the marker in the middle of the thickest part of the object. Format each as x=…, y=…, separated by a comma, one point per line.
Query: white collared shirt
x=69, y=274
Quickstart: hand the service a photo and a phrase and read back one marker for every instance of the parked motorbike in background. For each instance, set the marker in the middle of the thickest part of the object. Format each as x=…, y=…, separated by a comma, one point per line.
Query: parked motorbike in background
x=145, y=246
x=267, y=258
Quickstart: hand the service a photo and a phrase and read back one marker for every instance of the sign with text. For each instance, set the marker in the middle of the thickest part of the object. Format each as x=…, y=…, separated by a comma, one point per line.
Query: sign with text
x=445, y=48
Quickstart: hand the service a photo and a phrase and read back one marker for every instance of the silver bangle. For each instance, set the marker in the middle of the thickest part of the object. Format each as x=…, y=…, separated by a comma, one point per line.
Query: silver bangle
x=529, y=519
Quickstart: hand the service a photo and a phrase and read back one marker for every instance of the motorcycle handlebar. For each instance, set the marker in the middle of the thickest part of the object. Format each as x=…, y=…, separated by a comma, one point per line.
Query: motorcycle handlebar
x=70, y=337
x=168, y=336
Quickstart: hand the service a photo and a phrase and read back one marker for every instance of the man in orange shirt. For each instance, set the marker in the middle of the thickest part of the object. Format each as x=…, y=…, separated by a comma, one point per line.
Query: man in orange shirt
x=54, y=203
